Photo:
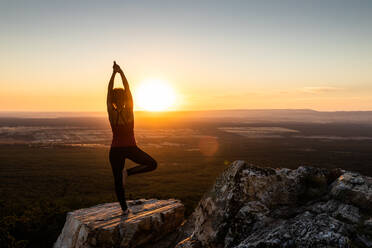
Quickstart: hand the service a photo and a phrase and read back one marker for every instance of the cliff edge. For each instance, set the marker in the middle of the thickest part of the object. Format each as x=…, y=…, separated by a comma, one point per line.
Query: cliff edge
x=247, y=207
x=104, y=226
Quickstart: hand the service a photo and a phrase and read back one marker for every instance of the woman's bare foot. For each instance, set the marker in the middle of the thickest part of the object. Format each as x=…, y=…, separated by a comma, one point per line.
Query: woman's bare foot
x=126, y=212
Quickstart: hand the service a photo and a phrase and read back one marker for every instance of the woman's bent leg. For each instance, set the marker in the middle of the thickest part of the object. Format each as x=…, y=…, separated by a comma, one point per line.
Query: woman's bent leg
x=117, y=160
x=145, y=161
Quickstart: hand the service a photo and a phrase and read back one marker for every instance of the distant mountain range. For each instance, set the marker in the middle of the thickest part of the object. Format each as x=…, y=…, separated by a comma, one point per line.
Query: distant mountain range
x=241, y=115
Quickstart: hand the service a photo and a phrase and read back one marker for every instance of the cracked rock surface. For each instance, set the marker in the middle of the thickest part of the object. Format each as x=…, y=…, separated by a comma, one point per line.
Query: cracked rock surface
x=104, y=225
x=251, y=206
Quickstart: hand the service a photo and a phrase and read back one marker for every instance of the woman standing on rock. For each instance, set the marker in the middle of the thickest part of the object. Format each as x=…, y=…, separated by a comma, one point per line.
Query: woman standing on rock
x=123, y=146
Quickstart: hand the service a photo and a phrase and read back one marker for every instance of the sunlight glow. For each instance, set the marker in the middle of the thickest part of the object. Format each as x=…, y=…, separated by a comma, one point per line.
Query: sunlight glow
x=154, y=95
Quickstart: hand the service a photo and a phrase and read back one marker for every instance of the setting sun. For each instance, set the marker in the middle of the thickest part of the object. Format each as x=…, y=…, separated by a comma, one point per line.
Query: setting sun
x=154, y=95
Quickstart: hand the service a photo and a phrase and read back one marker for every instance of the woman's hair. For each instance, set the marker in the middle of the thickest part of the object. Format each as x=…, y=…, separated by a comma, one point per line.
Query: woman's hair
x=118, y=97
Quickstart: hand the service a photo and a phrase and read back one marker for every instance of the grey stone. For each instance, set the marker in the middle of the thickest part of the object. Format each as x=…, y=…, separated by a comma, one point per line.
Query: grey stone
x=251, y=206
x=353, y=188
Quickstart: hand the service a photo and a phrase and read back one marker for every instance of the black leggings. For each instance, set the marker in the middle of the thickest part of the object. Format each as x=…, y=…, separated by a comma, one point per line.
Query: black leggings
x=117, y=159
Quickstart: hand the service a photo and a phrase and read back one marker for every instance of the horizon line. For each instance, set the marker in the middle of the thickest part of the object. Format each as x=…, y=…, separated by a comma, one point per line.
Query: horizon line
x=173, y=111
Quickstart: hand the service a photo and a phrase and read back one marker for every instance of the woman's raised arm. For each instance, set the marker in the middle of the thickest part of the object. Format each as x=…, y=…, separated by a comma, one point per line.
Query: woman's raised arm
x=129, y=97
x=116, y=69
x=110, y=89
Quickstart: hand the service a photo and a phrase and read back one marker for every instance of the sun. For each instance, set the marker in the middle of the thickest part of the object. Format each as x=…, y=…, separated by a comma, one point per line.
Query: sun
x=154, y=95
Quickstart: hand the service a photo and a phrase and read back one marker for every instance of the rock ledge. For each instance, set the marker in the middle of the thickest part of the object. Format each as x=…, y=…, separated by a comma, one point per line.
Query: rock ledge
x=104, y=226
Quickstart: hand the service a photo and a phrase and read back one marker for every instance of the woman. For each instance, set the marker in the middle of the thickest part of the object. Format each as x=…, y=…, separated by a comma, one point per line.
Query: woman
x=123, y=146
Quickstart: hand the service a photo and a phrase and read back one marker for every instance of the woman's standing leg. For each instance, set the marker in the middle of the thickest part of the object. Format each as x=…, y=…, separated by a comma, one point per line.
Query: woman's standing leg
x=145, y=161
x=117, y=161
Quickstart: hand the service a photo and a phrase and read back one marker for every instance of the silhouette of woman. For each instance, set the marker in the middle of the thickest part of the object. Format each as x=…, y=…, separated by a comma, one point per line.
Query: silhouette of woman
x=123, y=146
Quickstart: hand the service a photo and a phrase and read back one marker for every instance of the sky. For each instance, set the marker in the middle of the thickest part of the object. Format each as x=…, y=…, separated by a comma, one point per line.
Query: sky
x=57, y=55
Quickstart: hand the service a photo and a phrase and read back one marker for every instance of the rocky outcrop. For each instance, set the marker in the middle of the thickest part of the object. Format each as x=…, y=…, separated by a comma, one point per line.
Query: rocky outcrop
x=263, y=207
x=248, y=207
x=105, y=226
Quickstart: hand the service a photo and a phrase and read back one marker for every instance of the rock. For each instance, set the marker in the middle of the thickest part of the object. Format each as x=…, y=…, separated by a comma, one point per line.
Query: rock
x=353, y=188
x=250, y=206
x=189, y=243
x=368, y=225
x=104, y=226
x=347, y=213
x=247, y=207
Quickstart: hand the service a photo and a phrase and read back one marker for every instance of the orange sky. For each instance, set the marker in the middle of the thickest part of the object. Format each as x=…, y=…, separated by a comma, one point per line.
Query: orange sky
x=215, y=55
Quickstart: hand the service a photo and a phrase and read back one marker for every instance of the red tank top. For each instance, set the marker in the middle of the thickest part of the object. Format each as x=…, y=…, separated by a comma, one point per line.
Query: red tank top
x=123, y=134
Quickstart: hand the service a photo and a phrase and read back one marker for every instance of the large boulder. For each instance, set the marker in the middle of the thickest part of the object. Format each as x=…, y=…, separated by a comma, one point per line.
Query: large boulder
x=105, y=226
x=251, y=206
